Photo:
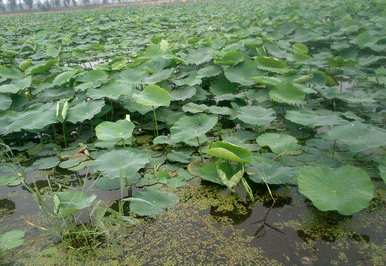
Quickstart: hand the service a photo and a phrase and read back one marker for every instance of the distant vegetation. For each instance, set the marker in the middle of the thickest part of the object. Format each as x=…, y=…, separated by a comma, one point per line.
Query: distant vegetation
x=29, y=5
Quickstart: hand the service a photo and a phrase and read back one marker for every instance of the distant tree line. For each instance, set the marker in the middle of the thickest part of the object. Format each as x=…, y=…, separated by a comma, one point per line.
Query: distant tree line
x=25, y=5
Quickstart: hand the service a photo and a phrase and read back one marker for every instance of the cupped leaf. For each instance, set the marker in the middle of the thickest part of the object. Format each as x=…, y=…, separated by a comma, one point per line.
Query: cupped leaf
x=347, y=189
x=70, y=202
x=153, y=95
x=151, y=202
x=206, y=171
x=115, y=131
x=189, y=127
x=230, y=152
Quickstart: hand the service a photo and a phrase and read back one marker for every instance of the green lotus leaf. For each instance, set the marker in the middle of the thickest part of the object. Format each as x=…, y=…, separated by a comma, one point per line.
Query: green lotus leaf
x=256, y=115
x=114, y=131
x=112, y=90
x=64, y=77
x=198, y=56
x=32, y=119
x=11, y=239
x=358, y=136
x=347, y=189
x=288, y=93
x=189, y=127
x=5, y=102
x=272, y=64
x=221, y=86
x=183, y=93
x=265, y=170
x=194, y=108
x=382, y=172
x=229, y=174
x=10, y=73
x=94, y=76
x=151, y=202
x=317, y=118
x=206, y=171
x=108, y=184
x=84, y=111
x=159, y=76
x=267, y=81
x=121, y=163
x=278, y=143
x=46, y=163
x=154, y=96
x=229, y=58
x=42, y=67
x=70, y=202
x=209, y=71
x=16, y=86
x=9, y=175
x=230, y=152
x=242, y=73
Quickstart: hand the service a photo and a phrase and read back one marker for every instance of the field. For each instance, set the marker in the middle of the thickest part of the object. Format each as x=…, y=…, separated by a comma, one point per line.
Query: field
x=198, y=133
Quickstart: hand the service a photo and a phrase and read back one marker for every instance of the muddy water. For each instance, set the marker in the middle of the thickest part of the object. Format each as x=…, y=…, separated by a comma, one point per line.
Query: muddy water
x=212, y=227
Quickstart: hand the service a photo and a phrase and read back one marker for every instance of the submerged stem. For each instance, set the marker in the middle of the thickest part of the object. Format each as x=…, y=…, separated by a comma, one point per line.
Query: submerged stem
x=199, y=149
x=64, y=134
x=155, y=122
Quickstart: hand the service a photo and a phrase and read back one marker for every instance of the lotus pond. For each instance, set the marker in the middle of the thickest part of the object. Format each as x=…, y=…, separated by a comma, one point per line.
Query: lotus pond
x=200, y=133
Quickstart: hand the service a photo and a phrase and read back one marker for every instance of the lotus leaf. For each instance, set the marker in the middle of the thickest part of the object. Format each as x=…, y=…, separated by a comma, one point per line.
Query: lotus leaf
x=347, y=189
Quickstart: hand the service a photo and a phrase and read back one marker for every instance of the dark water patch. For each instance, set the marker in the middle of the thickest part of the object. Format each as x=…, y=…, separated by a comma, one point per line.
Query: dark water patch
x=7, y=207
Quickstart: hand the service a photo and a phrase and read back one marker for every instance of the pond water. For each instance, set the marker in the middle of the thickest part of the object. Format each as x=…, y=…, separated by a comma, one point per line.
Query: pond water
x=212, y=227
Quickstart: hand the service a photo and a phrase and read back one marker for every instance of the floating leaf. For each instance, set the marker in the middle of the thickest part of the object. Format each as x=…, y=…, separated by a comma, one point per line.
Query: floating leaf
x=11, y=239
x=9, y=175
x=347, y=189
x=152, y=202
